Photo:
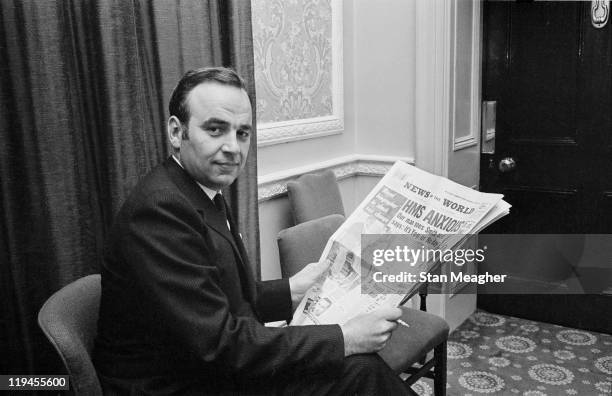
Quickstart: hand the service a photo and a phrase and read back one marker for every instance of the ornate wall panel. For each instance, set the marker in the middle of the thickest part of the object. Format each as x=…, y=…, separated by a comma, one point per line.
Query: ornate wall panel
x=298, y=68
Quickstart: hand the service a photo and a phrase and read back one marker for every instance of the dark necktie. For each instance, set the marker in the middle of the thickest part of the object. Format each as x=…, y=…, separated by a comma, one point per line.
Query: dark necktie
x=218, y=200
x=240, y=254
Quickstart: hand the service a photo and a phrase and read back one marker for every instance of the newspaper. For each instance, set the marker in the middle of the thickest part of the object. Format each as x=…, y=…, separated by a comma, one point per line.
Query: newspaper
x=436, y=212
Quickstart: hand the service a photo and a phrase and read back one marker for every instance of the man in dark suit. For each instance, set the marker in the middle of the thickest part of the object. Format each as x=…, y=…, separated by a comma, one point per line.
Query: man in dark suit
x=180, y=312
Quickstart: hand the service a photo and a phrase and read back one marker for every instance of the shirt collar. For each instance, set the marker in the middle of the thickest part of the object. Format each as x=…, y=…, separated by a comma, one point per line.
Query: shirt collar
x=209, y=191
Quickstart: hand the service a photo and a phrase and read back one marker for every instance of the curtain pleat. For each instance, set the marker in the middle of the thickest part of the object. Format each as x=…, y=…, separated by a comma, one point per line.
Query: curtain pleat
x=84, y=86
x=132, y=119
x=52, y=221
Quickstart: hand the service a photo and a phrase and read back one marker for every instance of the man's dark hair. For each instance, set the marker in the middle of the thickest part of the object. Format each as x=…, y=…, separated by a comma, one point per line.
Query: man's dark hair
x=178, y=101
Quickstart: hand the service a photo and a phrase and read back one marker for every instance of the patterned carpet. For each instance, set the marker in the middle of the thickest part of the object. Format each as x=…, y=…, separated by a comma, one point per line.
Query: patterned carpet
x=503, y=355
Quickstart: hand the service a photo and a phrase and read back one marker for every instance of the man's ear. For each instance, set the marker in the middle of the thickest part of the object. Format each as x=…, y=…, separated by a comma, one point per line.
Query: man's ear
x=175, y=132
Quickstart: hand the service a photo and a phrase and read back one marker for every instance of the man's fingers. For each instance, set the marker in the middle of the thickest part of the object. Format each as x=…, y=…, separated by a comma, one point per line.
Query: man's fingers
x=385, y=328
x=379, y=340
x=384, y=340
x=390, y=313
x=388, y=326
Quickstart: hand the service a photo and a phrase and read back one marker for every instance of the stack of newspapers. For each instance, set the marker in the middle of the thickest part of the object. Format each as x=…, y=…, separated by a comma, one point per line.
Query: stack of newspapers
x=411, y=222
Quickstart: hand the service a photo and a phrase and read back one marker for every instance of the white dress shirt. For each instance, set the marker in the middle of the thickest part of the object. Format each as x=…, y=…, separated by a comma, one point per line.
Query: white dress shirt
x=209, y=191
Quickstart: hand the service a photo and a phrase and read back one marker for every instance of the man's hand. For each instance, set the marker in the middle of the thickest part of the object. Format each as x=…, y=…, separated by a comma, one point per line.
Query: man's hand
x=368, y=333
x=303, y=280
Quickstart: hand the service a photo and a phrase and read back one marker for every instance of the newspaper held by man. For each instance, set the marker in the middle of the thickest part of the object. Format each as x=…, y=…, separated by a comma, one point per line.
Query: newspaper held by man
x=434, y=212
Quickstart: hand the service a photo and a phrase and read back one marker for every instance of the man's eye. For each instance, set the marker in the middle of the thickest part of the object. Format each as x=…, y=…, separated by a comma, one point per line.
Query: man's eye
x=214, y=131
x=244, y=134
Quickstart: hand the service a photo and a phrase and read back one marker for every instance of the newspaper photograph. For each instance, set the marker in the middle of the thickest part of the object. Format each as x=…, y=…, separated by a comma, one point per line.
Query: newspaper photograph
x=434, y=212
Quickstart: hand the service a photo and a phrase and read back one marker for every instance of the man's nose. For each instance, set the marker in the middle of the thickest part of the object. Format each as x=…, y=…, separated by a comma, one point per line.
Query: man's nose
x=230, y=144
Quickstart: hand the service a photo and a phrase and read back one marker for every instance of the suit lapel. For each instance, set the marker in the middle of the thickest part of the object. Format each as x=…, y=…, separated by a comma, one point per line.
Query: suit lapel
x=199, y=200
x=244, y=258
x=238, y=239
x=215, y=220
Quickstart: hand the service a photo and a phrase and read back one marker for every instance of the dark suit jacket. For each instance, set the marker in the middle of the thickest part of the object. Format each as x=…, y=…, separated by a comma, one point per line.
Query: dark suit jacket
x=180, y=310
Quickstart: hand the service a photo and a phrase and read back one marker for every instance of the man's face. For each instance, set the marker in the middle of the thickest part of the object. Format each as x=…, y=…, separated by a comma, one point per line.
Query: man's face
x=219, y=133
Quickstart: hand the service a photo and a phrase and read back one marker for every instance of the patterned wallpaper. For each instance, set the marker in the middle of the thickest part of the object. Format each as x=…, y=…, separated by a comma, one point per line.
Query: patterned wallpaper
x=293, y=59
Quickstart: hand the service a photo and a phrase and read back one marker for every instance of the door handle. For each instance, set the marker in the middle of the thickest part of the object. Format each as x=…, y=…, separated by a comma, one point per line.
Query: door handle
x=489, y=115
x=506, y=165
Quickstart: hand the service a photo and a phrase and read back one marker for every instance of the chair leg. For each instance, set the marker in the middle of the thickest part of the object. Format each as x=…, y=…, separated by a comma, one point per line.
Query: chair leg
x=423, y=307
x=423, y=290
x=440, y=370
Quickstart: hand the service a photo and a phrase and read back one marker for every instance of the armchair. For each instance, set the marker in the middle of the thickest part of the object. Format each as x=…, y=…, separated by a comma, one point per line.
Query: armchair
x=304, y=243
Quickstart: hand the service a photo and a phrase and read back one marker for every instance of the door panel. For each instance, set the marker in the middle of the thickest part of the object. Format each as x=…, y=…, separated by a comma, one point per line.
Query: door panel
x=531, y=68
x=550, y=72
x=542, y=71
x=537, y=211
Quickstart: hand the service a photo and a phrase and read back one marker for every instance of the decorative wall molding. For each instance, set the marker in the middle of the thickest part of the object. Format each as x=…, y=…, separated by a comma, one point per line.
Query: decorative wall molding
x=274, y=132
x=289, y=131
x=432, y=124
x=274, y=185
x=600, y=11
x=465, y=141
x=471, y=138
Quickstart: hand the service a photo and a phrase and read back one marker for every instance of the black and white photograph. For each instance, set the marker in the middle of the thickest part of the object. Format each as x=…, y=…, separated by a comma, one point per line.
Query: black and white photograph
x=177, y=178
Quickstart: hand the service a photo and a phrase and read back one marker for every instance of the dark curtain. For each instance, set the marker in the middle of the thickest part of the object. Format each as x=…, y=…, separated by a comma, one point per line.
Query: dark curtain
x=84, y=87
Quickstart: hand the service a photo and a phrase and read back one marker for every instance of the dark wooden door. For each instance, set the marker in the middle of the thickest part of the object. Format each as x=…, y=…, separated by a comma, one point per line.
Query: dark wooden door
x=550, y=71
